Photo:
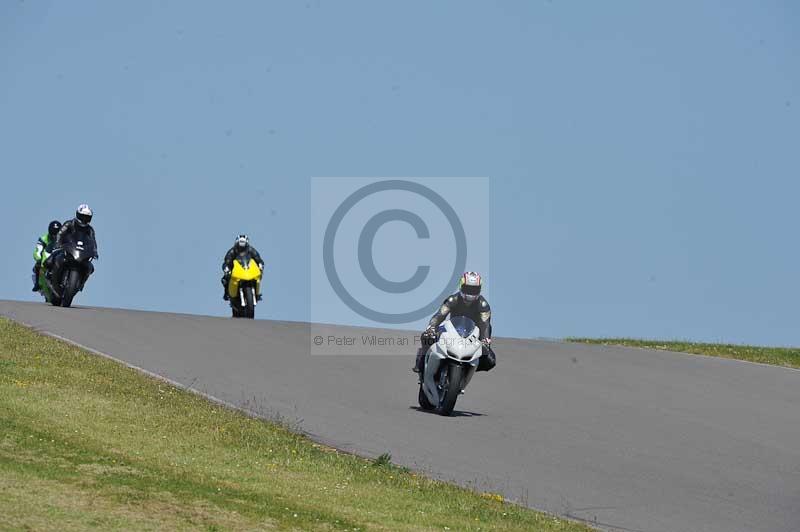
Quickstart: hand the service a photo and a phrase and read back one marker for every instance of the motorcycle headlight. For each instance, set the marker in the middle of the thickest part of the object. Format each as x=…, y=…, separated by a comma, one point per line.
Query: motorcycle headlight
x=76, y=254
x=455, y=355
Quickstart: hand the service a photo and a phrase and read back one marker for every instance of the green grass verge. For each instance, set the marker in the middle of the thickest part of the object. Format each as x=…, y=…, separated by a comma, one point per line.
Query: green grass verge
x=87, y=443
x=778, y=356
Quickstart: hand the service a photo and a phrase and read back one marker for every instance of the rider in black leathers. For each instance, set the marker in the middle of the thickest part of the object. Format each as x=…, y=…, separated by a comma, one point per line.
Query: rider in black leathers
x=80, y=224
x=466, y=302
x=240, y=247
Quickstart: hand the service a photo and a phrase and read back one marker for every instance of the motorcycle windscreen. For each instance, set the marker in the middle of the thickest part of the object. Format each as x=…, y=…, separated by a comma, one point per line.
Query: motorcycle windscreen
x=244, y=259
x=80, y=239
x=463, y=325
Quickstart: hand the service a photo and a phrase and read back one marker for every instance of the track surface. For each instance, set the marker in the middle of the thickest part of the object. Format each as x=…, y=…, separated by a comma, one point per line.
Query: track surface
x=631, y=439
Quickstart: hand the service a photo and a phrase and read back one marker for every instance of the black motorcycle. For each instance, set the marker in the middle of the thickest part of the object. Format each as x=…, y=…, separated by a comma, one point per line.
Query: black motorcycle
x=70, y=267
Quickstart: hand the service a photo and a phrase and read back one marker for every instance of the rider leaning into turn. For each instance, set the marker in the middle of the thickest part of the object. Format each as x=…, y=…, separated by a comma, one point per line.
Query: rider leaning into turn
x=241, y=247
x=45, y=243
x=79, y=224
x=468, y=302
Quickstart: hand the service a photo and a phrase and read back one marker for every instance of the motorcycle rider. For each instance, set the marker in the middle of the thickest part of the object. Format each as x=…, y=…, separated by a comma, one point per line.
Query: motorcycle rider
x=45, y=243
x=468, y=302
x=241, y=247
x=79, y=224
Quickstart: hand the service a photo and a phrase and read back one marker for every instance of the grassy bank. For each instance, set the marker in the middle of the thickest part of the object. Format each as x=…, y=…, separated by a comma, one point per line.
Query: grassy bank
x=778, y=356
x=86, y=443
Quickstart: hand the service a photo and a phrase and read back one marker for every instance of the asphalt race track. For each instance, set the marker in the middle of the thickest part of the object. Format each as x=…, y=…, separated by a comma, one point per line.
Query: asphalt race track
x=629, y=439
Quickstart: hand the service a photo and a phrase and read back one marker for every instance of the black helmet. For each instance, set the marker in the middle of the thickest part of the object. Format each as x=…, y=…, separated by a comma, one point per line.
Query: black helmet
x=53, y=228
x=83, y=215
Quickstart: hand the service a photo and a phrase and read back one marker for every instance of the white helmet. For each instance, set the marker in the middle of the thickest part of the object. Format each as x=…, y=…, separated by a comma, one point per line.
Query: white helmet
x=83, y=215
x=242, y=241
x=470, y=286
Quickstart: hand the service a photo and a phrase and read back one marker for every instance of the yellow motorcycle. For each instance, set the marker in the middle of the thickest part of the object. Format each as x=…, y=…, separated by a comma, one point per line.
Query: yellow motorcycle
x=244, y=287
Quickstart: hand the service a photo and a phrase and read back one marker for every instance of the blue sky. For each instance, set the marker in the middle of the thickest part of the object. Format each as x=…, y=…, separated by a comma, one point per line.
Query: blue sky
x=643, y=157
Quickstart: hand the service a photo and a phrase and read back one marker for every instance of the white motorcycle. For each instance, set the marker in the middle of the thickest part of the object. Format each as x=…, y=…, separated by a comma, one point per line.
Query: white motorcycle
x=450, y=364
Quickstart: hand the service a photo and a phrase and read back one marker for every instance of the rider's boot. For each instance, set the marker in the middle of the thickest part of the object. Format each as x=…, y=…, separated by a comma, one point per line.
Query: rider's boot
x=418, y=363
x=419, y=367
x=225, y=296
x=425, y=342
x=36, y=278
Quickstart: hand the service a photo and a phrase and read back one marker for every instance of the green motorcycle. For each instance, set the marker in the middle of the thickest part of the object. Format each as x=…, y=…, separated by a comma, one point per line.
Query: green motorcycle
x=44, y=287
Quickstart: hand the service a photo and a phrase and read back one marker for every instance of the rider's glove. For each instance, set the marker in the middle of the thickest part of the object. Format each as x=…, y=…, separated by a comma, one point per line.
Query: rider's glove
x=429, y=335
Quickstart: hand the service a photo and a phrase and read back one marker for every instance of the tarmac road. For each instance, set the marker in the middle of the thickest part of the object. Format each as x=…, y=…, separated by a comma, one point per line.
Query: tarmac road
x=629, y=439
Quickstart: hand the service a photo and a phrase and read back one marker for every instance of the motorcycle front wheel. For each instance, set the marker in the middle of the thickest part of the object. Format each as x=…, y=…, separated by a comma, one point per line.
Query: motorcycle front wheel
x=249, y=303
x=73, y=279
x=451, y=389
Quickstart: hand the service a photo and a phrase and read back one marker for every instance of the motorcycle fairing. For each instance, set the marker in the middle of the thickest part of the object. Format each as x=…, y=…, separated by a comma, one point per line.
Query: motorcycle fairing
x=240, y=274
x=461, y=340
